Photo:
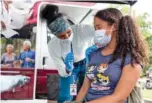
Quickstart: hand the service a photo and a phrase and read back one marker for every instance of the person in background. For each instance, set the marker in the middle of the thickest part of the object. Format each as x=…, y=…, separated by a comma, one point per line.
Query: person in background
x=67, y=49
x=8, y=58
x=5, y=20
x=115, y=67
x=27, y=57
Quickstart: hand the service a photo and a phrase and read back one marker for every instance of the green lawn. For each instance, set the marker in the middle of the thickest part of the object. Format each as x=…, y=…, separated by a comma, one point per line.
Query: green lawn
x=147, y=93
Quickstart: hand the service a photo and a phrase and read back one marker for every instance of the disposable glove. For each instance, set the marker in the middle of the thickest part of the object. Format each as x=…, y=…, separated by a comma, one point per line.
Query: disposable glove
x=69, y=60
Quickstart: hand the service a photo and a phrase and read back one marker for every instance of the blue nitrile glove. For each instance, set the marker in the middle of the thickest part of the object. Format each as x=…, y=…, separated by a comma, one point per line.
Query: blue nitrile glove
x=69, y=60
x=89, y=51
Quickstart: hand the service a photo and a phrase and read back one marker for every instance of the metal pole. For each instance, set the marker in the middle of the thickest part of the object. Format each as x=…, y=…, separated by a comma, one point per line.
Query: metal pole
x=39, y=22
x=130, y=10
x=34, y=82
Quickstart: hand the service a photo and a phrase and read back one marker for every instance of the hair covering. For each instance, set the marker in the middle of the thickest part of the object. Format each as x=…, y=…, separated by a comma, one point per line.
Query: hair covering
x=59, y=25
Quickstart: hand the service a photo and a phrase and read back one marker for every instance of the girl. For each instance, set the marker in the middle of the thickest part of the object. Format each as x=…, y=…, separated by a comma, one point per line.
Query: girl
x=116, y=61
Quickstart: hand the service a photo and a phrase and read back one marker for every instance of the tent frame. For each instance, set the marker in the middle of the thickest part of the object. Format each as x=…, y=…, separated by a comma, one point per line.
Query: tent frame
x=129, y=2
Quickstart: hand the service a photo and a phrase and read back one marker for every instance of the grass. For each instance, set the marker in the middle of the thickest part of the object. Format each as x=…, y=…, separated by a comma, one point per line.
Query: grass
x=147, y=93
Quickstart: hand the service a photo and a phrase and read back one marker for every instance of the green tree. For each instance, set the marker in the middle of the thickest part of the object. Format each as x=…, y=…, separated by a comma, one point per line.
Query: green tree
x=145, y=24
x=149, y=39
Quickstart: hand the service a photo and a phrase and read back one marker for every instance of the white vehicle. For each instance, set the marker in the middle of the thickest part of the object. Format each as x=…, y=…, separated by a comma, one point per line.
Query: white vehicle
x=149, y=79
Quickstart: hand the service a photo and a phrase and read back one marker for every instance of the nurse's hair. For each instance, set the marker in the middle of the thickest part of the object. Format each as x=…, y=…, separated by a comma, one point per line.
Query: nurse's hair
x=27, y=42
x=50, y=13
x=128, y=38
x=10, y=45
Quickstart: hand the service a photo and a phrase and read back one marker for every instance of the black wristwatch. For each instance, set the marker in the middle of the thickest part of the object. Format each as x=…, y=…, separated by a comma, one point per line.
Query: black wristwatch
x=67, y=71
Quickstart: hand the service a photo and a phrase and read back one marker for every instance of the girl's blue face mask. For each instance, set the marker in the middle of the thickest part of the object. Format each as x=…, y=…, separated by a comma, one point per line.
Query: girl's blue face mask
x=101, y=39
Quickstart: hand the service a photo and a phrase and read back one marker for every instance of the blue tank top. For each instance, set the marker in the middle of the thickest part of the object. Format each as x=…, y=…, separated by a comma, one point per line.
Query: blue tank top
x=103, y=76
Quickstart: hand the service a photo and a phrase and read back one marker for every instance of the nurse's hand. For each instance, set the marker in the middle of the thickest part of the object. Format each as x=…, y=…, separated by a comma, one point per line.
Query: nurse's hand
x=89, y=51
x=69, y=60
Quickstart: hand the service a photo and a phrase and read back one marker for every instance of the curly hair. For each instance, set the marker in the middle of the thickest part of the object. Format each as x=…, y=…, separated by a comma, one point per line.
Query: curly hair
x=128, y=38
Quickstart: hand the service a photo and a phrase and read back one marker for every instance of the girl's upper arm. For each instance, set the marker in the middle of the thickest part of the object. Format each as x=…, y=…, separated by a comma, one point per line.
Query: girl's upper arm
x=128, y=79
x=86, y=83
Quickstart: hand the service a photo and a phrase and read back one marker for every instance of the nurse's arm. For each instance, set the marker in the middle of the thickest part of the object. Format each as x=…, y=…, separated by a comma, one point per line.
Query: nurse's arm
x=56, y=57
x=128, y=79
x=83, y=90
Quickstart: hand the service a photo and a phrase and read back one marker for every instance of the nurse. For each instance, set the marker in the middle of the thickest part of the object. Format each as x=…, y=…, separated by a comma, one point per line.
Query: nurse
x=67, y=50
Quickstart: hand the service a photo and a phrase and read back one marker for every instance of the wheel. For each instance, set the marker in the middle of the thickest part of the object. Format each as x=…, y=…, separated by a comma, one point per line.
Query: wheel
x=148, y=85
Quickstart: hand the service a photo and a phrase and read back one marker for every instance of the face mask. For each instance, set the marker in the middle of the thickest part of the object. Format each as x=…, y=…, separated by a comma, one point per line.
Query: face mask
x=101, y=39
x=66, y=45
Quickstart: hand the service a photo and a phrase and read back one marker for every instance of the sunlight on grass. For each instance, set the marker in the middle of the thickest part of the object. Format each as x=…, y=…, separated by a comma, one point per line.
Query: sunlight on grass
x=147, y=93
